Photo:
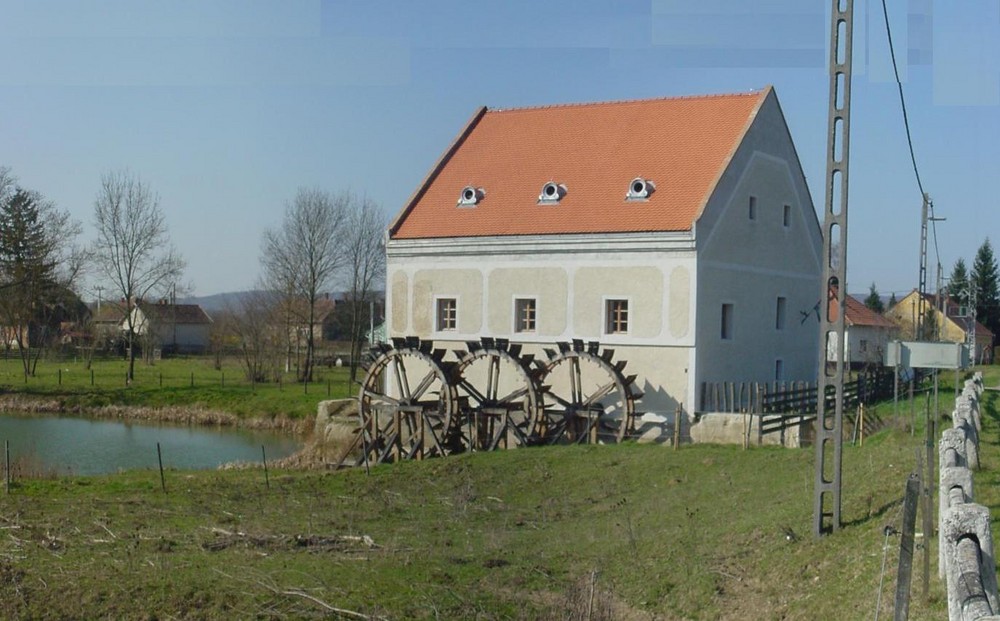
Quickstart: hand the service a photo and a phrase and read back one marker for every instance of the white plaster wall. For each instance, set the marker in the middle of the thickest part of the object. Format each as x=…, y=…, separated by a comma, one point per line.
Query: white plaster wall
x=570, y=279
x=877, y=343
x=750, y=263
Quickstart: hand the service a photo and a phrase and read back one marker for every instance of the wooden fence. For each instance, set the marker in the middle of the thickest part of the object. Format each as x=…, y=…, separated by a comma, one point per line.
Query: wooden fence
x=784, y=405
x=789, y=397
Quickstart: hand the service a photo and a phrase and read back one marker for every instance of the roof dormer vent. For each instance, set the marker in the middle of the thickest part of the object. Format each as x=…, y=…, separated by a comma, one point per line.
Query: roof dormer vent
x=470, y=196
x=639, y=189
x=552, y=192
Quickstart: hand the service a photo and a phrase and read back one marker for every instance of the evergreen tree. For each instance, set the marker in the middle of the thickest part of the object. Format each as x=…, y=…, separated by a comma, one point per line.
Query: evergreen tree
x=986, y=281
x=892, y=299
x=874, y=300
x=38, y=266
x=958, y=284
x=27, y=270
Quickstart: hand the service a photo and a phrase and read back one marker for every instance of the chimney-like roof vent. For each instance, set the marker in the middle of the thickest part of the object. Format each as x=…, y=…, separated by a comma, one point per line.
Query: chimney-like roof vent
x=552, y=192
x=640, y=189
x=470, y=196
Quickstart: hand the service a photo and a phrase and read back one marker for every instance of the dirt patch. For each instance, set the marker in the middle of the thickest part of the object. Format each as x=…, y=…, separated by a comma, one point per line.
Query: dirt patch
x=225, y=539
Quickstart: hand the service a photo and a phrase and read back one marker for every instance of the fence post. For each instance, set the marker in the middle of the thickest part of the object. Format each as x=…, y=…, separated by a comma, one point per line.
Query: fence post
x=159, y=459
x=677, y=425
x=905, y=571
x=267, y=480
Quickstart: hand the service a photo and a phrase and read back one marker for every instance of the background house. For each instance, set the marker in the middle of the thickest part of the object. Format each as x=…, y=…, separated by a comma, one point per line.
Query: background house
x=678, y=231
x=947, y=322
x=175, y=328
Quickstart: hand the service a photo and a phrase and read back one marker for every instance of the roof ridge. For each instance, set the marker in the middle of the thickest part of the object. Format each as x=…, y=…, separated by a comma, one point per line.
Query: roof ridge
x=612, y=102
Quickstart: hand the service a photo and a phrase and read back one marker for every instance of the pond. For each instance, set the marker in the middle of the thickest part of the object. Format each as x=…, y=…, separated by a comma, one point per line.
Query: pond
x=83, y=446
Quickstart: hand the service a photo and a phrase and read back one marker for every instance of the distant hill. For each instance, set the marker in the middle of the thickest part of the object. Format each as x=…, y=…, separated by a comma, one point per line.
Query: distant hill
x=221, y=301
x=218, y=301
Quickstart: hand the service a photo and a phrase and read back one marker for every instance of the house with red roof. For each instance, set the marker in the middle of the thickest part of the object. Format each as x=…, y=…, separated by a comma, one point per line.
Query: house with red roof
x=678, y=231
x=866, y=332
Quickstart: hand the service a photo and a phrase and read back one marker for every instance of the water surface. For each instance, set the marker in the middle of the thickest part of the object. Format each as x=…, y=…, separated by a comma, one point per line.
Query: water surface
x=72, y=445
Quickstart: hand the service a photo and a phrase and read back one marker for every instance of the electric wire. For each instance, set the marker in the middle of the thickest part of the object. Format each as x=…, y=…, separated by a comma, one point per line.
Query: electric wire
x=909, y=136
x=902, y=100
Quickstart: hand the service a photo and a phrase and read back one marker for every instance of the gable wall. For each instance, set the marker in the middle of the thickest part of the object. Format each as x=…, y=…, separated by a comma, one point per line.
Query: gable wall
x=749, y=263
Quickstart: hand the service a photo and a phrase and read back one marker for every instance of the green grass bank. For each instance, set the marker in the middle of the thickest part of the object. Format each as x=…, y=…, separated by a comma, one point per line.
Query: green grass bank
x=171, y=383
x=566, y=532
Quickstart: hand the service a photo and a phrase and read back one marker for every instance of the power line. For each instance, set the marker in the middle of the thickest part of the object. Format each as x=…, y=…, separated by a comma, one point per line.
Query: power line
x=902, y=100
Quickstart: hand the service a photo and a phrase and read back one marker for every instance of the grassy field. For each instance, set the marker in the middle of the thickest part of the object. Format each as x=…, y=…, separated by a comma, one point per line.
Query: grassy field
x=566, y=532
x=174, y=382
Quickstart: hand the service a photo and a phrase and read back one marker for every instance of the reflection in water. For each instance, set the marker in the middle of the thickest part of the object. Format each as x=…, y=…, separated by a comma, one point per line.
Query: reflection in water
x=85, y=446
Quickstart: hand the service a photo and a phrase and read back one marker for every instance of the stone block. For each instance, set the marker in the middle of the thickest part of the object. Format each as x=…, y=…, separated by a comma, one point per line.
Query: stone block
x=962, y=524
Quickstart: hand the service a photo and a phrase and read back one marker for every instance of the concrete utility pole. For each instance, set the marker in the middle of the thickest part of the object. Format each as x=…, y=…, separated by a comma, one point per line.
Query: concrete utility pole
x=829, y=431
x=970, y=310
x=922, y=282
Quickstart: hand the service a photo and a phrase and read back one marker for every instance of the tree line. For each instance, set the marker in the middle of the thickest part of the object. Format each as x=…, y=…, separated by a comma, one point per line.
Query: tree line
x=42, y=262
x=324, y=240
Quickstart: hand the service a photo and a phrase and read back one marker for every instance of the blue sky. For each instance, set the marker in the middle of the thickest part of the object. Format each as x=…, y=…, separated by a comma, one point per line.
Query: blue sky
x=226, y=107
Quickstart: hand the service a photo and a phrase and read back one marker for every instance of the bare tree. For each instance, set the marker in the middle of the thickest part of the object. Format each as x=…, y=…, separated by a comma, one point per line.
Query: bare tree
x=39, y=266
x=302, y=257
x=365, y=264
x=252, y=324
x=133, y=247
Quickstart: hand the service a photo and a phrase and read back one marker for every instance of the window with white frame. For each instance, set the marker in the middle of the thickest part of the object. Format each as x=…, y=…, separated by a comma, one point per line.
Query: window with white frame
x=525, y=311
x=447, y=314
x=616, y=316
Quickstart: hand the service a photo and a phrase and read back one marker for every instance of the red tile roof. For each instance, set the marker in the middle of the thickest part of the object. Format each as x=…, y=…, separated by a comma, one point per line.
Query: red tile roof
x=682, y=144
x=857, y=313
x=860, y=315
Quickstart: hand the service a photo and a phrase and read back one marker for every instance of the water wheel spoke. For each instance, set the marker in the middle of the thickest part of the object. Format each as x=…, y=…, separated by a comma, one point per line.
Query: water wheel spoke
x=414, y=447
x=423, y=385
x=599, y=394
x=497, y=436
x=518, y=393
x=519, y=433
x=387, y=448
x=435, y=439
x=399, y=371
x=473, y=391
x=377, y=398
x=566, y=404
x=493, y=377
x=575, y=380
